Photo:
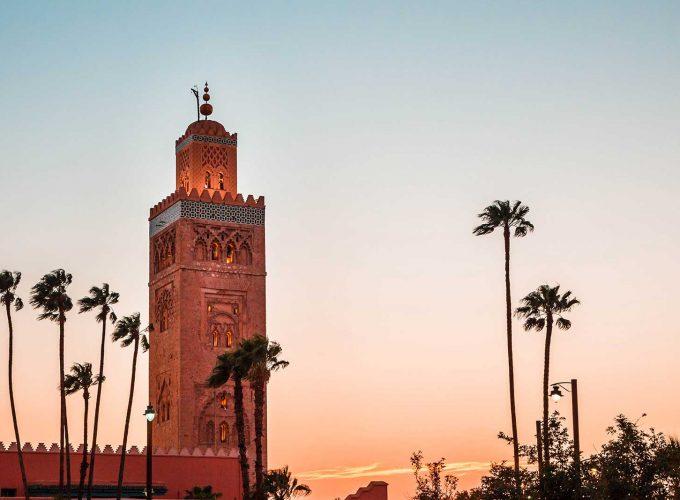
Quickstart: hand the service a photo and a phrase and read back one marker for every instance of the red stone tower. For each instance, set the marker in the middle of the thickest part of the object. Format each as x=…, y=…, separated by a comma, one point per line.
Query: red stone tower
x=206, y=290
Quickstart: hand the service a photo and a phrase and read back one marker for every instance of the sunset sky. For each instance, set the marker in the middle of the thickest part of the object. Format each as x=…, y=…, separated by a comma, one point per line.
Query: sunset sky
x=376, y=131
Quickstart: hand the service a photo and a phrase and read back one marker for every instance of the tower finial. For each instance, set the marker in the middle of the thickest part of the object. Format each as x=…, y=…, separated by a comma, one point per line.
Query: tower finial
x=206, y=108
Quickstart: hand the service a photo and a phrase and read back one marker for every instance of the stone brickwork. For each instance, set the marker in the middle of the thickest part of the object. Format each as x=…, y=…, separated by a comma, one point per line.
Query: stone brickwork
x=206, y=292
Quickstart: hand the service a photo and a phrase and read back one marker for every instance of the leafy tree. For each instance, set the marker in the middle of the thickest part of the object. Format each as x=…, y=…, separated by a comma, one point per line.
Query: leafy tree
x=280, y=485
x=509, y=216
x=235, y=365
x=433, y=485
x=101, y=299
x=81, y=379
x=263, y=359
x=204, y=492
x=128, y=331
x=634, y=464
x=49, y=294
x=543, y=308
x=8, y=287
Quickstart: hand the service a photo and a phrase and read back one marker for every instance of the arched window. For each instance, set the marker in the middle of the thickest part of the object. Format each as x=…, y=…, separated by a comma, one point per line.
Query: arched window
x=228, y=338
x=210, y=432
x=215, y=251
x=200, y=250
x=230, y=253
x=223, y=400
x=224, y=432
x=215, y=337
x=220, y=180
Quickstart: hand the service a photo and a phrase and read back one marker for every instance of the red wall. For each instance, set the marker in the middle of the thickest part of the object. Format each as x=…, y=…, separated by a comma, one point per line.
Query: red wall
x=376, y=490
x=178, y=472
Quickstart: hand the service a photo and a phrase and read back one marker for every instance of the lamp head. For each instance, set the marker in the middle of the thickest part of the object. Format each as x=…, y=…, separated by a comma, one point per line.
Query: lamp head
x=150, y=413
x=556, y=393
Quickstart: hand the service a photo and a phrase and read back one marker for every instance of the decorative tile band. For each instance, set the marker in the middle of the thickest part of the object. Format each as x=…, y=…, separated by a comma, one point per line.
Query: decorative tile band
x=205, y=138
x=189, y=209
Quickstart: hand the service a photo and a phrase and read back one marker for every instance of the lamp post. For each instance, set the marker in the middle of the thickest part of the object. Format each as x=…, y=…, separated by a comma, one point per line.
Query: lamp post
x=556, y=395
x=150, y=414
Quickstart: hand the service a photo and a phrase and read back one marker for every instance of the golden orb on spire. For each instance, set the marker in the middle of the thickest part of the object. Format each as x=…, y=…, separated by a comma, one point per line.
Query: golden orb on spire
x=206, y=108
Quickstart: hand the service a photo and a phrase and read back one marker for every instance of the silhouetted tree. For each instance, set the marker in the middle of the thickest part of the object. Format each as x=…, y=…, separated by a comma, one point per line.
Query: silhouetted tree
x=279, y=484
x=263, y=359
x=510, y=217
x=433, y=485
x=543, y=308
x=49, y=294
x=128, y=331
x=8, y=287
x=81, y=379
x=235, y=365
x=101, y=299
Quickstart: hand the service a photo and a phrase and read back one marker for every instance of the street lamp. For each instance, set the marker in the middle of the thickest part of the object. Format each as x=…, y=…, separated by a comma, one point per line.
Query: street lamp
x=556, y=395
x=150, y=414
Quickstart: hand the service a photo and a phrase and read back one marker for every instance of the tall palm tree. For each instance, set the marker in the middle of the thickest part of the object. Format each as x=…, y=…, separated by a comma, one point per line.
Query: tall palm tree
x=50, y=295
x=128, y=331
x=543, y=308
x=280, y=485
x=8, y=287
x=101, y=299
x=81, y=379
x=235, y=365
x=263, y=356
x=508, y=216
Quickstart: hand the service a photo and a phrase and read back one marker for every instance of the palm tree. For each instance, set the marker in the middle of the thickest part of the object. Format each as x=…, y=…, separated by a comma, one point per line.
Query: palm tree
x=204, y=492
x=81, y=379
x=235, y=365
x=280, y=485
x=263, y=357
x=507, y=215
x=102, y=299
x=128, y=332
x=543, y=308
x=8, y=287
x=50, y=295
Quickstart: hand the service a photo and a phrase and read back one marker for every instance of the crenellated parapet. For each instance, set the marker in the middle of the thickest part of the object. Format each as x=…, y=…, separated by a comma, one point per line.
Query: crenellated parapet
x=211, y=206
x=199, y=451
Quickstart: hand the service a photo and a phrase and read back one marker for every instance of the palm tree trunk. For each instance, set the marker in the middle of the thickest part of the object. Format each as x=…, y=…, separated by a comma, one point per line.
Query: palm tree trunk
x=241, y=432
x=119, y=494
x=63, y=427
x=259, y=428
x=20, y=453
x=83, y=464
x=546, y=374
x=511, y=369
x=67, y=443
x=96, y=413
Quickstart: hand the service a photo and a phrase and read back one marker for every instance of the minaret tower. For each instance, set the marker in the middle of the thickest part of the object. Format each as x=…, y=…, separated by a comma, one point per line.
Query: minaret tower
x=206, y=289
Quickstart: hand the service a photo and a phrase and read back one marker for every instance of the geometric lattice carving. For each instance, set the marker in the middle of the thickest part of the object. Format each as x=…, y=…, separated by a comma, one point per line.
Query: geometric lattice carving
x=223, y=213
x=230, y=246
x=183, y=169
x=189, y=209
x=164, y=251
x=205, y=138
x=214, y=156
x=165, y=307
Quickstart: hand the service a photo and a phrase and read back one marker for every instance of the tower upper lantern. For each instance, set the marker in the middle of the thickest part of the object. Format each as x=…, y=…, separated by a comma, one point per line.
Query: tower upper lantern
x=206, y=155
